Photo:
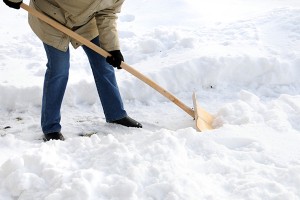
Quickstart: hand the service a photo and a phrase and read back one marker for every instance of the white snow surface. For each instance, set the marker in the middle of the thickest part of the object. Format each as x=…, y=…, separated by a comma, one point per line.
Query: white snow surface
x=241, y=57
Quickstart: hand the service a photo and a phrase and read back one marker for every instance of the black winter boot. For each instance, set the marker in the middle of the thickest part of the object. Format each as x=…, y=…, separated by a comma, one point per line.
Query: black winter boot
x=54, y=136
x=129, y=122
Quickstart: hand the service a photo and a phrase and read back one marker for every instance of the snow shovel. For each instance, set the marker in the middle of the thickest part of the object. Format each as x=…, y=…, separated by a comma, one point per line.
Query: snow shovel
x=203, y=119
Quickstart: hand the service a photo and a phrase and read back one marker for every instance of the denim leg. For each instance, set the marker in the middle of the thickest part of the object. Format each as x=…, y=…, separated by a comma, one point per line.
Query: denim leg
x=55, y=83
x=106, y=84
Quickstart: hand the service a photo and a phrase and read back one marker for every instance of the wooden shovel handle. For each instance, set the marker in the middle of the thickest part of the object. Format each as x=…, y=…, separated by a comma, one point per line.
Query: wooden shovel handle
x=102, y=52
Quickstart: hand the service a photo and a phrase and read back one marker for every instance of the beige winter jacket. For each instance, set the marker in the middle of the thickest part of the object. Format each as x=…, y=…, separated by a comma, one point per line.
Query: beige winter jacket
x=89, y=18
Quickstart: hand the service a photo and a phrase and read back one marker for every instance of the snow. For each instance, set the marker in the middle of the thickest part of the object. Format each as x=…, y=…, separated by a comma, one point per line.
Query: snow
x=242, y=59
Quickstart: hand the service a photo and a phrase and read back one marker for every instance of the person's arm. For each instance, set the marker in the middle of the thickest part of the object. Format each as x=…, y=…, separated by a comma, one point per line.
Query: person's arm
x=108, y=34
x=107, y=26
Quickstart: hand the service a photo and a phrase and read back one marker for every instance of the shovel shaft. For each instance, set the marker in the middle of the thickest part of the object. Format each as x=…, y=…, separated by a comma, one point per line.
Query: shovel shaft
x=105, y=54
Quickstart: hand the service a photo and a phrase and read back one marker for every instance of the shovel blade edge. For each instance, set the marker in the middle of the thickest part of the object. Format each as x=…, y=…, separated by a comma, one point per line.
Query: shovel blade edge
x=203, y=119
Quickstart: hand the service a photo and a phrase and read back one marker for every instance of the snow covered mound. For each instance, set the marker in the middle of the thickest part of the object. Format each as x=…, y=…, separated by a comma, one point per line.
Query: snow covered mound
x=242, y=59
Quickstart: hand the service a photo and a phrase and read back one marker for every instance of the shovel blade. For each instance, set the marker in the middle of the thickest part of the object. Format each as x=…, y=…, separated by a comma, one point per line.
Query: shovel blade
x=203, y=119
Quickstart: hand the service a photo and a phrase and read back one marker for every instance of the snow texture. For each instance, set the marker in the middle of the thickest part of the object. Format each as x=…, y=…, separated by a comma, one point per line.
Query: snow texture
x=241, y=57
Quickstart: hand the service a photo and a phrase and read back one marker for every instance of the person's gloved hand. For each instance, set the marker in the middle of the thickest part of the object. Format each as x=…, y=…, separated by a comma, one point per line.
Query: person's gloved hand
x=13, y=4
x=115, y=59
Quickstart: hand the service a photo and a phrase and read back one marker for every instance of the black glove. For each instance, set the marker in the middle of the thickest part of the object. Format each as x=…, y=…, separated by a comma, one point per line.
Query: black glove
x=13, y=4
x=115, y=59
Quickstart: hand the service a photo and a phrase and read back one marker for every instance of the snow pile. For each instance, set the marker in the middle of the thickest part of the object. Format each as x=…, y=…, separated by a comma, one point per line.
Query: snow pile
x=280, y=114
x=159, y=165
x=242, y=59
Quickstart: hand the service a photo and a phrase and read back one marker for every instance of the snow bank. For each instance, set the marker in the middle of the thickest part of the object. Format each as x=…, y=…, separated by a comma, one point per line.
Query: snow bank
x=193, y=75
x=160, y=165
x=13, y=98
x=240, y=57
x=280, y=114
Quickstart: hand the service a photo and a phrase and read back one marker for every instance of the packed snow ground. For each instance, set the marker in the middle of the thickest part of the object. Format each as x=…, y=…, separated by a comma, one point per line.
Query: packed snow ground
x=242, y=59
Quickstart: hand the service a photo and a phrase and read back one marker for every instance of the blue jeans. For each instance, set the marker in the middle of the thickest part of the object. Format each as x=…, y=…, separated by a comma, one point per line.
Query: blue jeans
x=56, y=79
